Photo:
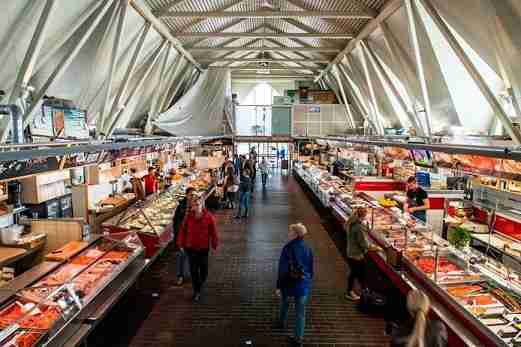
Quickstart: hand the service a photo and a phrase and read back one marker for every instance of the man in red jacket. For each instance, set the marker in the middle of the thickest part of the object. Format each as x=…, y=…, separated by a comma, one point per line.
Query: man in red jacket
x=197, y=233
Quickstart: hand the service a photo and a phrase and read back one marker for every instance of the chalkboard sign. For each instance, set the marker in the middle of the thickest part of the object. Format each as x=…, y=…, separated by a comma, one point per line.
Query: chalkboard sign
x=19, y=168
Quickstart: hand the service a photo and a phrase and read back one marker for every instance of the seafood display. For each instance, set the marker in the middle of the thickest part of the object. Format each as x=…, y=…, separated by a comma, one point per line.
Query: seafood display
x=66, y=251
x=34, y=312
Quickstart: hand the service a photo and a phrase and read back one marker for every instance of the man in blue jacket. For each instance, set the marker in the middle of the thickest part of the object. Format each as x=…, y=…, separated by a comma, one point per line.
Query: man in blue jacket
x=294, y=280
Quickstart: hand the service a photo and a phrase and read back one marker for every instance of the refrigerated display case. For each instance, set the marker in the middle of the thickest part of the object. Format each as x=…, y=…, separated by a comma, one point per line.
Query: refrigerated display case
x=39, y=313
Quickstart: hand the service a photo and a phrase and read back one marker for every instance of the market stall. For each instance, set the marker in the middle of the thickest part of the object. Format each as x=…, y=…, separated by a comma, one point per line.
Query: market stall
x=152, y=219
x=42, y=308
x=475, y=291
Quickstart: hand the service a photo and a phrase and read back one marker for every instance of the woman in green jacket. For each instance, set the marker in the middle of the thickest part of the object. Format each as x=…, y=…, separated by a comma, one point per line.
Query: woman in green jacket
x=357, y=247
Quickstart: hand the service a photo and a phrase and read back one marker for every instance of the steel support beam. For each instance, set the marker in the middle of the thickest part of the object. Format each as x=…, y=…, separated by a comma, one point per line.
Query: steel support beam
x=19, y=24
x=185, y=73
x=356, y=78
x=266, y=14
x=221, y=28
x=66, y=61
x=308, y=35
x=377, y=115
x=499, y=111
x=350, y=119
x=156, y=100
x=148, y=69
x=360, y=103
x=26, y=70
x=179, y=61
x=161, y=28
x=124, y=5
x=255, y=60
x=168, y=6
x=257, y=69
x=407, y=108
x=390, y=7
x=403, y=63
x=200, y=20
x=272, y=77
x=411, y=16
x=128, y=75
x=264, y=49
x=98, y=58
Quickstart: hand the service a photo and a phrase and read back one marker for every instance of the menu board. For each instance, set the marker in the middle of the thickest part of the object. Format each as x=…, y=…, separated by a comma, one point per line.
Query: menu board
x=42, y=123
x=75, y=124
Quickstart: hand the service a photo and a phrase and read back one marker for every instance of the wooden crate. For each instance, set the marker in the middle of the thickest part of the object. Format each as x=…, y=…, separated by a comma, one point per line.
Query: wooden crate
x=59, y=231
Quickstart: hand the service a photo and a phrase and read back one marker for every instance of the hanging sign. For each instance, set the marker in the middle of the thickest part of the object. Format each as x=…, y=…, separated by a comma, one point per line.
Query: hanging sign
x=20, y=168
x=42, y=123
x=81, y=159
x=75, y=124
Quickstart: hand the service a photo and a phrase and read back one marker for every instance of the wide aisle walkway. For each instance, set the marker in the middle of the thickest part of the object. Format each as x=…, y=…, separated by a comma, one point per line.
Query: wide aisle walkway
x=238, y=304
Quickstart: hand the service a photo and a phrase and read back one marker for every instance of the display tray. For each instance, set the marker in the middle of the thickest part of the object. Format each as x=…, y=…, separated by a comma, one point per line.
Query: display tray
x=50, y=304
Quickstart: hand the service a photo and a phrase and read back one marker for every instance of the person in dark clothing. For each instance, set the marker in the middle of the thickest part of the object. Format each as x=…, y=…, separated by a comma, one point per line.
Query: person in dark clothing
x=419, y=331
x=198, y=232
x=244, y=194
x=228, y=189
x=297, y=255
x=236, y=165
x=357, y=247
x=417, y=200
x=180, y=213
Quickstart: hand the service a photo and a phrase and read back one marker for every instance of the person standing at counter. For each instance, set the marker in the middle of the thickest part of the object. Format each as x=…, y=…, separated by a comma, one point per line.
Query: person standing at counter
x=419, y=331
x=357, y=247
x=151, y=183
x=417, y=200
x=137, y=185
x=198, y=232
x=179, y=216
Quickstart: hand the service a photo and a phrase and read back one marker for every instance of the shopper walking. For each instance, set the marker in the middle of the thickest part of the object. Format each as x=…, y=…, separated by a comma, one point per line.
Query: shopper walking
x=253, y=166
x=294, y=280
x=244, y=194
x=419, y=331
x=229, y=182
x=265, y=171
x=357, y=247
x=181, y=259
x=198, y=232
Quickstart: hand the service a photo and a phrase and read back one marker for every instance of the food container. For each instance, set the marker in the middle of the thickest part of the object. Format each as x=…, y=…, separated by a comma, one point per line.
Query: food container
x=11, y=234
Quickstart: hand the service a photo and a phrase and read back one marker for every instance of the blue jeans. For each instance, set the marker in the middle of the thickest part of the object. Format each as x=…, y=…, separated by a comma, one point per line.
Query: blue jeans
x=300, y=313
x=244, y=202
x=181, y=264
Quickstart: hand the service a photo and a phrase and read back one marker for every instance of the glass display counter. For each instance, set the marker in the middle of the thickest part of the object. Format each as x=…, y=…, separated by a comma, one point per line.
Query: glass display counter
x=36, y=314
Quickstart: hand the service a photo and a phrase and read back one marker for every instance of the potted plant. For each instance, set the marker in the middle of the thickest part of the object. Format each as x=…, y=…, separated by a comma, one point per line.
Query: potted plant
x=459, y=237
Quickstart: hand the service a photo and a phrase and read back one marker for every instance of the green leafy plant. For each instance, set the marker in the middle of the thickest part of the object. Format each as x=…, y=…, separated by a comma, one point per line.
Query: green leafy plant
x=459, y=237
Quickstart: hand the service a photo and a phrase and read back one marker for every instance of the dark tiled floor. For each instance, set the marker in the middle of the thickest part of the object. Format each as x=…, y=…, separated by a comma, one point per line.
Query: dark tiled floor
x=238, y=303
